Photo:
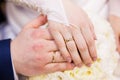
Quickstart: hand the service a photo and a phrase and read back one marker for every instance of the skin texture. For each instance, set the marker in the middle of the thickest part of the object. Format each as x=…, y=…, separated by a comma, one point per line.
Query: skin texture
x=33, y=49
x=115, y=22
x=78, y=36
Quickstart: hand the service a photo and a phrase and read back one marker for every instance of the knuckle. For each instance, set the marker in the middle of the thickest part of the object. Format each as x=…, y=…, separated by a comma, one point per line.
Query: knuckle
x=39, y=58
x=37, y=33
x=37, y=47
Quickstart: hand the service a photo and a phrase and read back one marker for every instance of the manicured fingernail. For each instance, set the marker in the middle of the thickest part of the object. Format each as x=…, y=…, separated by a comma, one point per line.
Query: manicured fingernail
x=89, y=65
x=69, y=60
x=79, y=65
x=95, y=58
x=73, y=65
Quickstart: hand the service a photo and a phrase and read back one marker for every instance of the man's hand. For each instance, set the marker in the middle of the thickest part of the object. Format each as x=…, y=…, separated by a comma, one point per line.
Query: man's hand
x=34, y=51
x=115, y=23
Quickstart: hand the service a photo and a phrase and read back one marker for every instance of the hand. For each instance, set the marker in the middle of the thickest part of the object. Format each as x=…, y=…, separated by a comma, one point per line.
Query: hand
x=115, y=22
x=79, y=35
x=34, y=52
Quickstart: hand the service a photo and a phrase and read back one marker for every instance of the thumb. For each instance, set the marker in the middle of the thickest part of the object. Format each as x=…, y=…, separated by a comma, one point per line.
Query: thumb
x=39, y=21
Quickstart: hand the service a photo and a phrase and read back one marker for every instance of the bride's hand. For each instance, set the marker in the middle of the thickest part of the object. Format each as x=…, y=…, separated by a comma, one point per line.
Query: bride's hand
x=82, y=30
x=115, y=22
x=80, y=35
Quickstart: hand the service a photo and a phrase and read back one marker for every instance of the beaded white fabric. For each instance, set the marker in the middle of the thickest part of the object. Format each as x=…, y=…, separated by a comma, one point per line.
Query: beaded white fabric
x=107, y=60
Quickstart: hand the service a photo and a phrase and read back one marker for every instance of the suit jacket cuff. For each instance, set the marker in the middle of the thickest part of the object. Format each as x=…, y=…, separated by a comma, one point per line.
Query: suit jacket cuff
x=6, y=69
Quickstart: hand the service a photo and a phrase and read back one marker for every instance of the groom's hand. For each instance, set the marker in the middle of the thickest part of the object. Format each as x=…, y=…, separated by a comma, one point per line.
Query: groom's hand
x=34, y=51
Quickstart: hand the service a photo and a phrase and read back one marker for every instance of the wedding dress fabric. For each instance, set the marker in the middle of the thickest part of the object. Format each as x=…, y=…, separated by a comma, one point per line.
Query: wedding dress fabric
x=20, y=12
x=103, y=68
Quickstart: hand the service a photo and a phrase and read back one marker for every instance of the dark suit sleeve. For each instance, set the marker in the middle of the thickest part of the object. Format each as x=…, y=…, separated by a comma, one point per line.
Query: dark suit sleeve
x=6, y=69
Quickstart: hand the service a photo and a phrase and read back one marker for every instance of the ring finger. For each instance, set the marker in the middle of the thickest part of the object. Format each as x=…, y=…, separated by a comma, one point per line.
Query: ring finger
x=81, y=45
x=71, y=46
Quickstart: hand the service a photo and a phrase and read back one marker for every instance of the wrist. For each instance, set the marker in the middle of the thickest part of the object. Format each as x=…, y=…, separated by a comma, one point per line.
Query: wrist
x=12, y=49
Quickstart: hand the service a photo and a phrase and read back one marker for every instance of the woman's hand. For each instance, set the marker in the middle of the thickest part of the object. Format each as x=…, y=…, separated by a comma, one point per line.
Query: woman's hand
x=115, y=22
x=34, y=51
x=78, y=36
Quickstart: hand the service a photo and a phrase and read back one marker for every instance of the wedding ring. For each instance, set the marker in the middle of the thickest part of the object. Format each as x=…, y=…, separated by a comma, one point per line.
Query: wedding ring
x=56, y=57
x=68, y=40
x=53, y=57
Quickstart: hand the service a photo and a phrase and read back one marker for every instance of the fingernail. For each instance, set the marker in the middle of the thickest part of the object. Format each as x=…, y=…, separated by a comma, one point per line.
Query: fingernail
x=95, y=58
x=69, y=60
x=73, y=65
x=89, y=65
x=95, y=38
x=79, y=65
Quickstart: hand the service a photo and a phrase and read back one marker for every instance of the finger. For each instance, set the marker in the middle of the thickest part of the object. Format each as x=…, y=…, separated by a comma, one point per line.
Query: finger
x=90, y=42
x=93, y=31
x=56, y=57
x=80, y=42
x=81, y=45
x=71, y=46
x=45, y=46
x=52, y=46
x=51, y=57
x=54, y=67
x=74, y=53
x=42, y=34
x=60, y=42
x=39, y=21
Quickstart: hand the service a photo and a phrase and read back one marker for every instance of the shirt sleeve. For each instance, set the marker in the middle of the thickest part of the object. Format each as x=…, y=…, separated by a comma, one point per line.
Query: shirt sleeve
x=15, y=74
x=6, y=69
x=52, y=8
x=114, y=7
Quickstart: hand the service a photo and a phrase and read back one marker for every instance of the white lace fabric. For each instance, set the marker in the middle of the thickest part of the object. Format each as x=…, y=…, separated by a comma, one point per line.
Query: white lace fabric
x=52, y=8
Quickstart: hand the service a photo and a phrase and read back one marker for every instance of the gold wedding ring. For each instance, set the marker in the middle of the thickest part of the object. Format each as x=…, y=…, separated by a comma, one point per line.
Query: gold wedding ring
x=53, y=56
x=68, y=40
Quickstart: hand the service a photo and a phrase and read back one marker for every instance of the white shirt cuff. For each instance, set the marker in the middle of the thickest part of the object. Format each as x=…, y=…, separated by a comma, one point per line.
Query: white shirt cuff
x=14, y=72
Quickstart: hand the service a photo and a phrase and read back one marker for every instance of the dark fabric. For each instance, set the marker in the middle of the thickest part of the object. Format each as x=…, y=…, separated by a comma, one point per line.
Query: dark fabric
x=2, y=16
x=6, y=69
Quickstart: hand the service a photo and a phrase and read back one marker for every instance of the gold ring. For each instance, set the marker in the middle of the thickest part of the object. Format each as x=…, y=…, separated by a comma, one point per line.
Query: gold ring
x=53, y=57
x=68, y=40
